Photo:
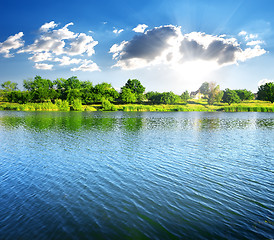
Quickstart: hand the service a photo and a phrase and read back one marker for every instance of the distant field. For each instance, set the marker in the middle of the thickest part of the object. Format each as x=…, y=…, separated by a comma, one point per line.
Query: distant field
x=191, y=105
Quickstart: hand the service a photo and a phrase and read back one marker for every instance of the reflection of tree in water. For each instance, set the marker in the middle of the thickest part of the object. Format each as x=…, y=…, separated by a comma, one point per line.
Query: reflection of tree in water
x=101, y=123
x=207, y=123
x=75, y=121
x=72, y=121
x=132, y=124
x=11, y=122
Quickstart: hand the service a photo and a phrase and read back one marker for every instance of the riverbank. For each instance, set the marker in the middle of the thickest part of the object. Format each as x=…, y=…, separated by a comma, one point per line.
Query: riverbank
x=189, y=106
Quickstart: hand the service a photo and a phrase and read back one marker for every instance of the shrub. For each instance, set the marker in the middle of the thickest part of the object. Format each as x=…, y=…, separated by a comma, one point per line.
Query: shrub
x=108, y=106
x=77, y=105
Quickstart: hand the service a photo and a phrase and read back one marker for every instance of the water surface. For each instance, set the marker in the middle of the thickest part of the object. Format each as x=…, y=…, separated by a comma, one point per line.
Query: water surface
x=79, y=175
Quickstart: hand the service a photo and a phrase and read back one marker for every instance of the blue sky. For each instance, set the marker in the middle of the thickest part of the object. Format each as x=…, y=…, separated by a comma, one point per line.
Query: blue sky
x=167, y=45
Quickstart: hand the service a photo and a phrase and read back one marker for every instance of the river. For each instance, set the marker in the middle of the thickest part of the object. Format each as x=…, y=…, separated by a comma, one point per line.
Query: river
x=130, y=175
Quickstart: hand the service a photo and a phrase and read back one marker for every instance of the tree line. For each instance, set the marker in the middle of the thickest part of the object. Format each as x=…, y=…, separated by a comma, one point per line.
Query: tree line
x=73, y=90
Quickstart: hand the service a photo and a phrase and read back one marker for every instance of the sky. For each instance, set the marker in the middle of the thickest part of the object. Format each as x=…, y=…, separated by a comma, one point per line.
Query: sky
x=172, y=45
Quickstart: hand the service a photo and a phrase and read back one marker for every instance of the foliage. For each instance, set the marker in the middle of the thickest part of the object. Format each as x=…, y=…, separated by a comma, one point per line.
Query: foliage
x=214, y=93
x=9, y=86
x=62, y=105
x=204, y=89
x=230, y=96
x=77, y=105
x=104, y=91
x=162, y=98
x=135, y=86
x=169, y=98
x=266, y=92
x=108, y=106
x=127, y=96
x=185, y=96
x=211, y=92
x=40, y=89
x=245, y=94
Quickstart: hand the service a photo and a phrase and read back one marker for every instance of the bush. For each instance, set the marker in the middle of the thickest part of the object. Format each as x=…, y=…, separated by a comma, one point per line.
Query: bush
x=62, y=105
x=77, y=105
x=108, y=106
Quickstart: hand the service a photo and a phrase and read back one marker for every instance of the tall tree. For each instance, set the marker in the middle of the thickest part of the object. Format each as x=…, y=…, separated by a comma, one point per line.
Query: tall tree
x=185, y=96
x=135, y=86
x=204, y=89
x=245, y=94
x=215, y=94
x=230, y=96
x=266, y=92
x=127, y=96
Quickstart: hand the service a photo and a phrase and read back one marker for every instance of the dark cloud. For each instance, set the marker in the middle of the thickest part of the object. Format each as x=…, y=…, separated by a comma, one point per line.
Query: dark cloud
x=191, y=49
x=149, y=45
x=217, y=50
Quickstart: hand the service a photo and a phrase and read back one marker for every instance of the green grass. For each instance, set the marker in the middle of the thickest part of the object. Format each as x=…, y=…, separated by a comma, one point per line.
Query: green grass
x=190, y=106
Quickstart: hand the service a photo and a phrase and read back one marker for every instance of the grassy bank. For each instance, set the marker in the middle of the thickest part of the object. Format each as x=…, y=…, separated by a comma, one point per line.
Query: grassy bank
x=191, y=105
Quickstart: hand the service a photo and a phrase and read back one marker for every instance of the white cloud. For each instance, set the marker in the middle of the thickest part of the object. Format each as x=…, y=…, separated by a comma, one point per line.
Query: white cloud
x=167, y=45
x=12, y=42
x=116, y=49
x=43, y=66
x=54, y=42
x=242, y=33
x=87, y=66
x=116, y=31
x=64, y=61
x=47, y=26
x=249, y=53
x=255, y=42
x=251, y=36
x=40, y=57
x=140, y=28
x=264, y=81
x=82, y=44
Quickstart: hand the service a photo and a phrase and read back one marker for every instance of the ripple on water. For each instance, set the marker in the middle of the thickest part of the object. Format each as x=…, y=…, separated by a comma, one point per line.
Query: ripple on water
x=136, y=175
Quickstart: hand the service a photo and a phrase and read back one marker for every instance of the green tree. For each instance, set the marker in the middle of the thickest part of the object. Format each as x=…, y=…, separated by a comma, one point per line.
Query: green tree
x=169, y=98
x=104, y=91
x=185, y=96
x=245, y=94
x=214, y=94
x=135, y=86
x=230, y=96
x=153, y=97
x=204, y=89
x=41, y=89
x=9, y=86
x=127, y=96
x=266, y=92
x=87, y=91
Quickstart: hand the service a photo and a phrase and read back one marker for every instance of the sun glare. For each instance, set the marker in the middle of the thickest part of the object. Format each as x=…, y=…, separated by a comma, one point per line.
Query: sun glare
x=195, y=72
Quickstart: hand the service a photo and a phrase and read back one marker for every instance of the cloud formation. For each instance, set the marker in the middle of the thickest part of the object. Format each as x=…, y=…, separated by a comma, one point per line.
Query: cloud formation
x=167, y=45
x=264, y=81
x=13, y=42
x=145, y=48
x=87, y=66
x=140, y=28
x=47, y=26
x=116, y=31
x=43, y=66
x=63, y=42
